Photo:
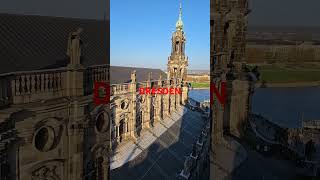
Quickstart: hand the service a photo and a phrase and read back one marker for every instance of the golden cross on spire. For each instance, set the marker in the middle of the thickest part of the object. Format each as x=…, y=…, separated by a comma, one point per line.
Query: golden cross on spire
x=179, y=24
x=180, y=14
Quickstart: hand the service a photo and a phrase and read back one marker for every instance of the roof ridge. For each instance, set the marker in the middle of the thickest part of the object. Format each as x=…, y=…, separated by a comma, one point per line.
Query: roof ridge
x=53, y=17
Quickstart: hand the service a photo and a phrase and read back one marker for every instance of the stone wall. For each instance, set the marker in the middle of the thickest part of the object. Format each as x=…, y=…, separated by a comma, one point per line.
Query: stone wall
x=49, y=126
x=132, y=112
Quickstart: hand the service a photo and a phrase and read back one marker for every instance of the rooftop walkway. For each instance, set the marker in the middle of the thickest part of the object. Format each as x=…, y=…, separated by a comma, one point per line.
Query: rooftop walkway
x=161, y=151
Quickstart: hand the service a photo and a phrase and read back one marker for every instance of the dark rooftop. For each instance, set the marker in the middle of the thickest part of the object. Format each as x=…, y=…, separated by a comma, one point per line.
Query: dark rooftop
x=120, y=74
x=29, y=42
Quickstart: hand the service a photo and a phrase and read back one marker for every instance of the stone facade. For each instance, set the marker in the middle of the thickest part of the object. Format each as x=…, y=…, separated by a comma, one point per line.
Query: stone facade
x=131, y=112
x=228, y=26
x=228, y=30
x=49, y=127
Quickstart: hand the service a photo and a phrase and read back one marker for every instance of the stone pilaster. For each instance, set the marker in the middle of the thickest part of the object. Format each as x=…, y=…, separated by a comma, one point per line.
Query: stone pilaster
x=158, y=102
x=178, y=96
x=133, y=89
x=147, y=122
x=106, y=169
x=184, y=94
x=172, y=98
x=166, y=100
x=75, y=141
x=238, y=106
x=74, y=81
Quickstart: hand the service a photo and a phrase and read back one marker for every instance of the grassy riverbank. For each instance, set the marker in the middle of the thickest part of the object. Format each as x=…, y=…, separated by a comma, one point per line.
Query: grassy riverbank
x=290, y=73
x=200, y=85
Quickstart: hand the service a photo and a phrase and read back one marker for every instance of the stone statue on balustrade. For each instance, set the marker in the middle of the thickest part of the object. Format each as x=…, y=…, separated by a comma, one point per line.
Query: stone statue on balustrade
x=74, y=47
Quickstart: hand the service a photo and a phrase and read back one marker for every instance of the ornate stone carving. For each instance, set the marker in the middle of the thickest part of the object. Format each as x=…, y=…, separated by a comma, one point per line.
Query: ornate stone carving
x=45, y=173
x=102, y=122
x=44, y=139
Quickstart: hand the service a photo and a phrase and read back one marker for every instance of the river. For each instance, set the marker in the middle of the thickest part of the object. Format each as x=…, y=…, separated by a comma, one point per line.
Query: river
x=200, y=95
x=285, y=106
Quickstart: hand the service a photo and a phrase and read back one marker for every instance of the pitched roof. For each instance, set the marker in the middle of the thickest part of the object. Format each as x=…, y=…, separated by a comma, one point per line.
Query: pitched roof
x=29, y=42
x=119, y=74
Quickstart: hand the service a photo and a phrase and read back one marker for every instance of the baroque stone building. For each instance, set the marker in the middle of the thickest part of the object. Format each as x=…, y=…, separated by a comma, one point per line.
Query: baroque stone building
x=228, y=30
x=49, y=126
x=228, y=64
x=132, y=112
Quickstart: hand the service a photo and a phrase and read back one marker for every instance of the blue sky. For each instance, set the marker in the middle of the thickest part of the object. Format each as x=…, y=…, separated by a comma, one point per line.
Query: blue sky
x=141, y=32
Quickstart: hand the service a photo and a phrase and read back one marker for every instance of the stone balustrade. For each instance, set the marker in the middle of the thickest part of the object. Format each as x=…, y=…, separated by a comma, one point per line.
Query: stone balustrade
x=98, y=73
x=31, y=86
x=197, y=163
x=116, y=89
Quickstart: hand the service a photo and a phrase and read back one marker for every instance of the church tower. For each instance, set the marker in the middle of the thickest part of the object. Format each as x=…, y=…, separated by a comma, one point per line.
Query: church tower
x=178, y=61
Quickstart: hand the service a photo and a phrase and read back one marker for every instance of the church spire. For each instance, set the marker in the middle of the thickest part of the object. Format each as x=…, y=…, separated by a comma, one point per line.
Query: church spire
x=179, y=24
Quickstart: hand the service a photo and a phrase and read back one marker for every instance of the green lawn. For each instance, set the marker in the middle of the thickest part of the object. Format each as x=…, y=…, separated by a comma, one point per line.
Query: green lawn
x=200, y=84
x=290, y=76
x=290, y=72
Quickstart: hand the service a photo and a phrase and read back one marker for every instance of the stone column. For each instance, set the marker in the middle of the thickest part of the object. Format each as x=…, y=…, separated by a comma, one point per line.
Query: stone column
x=172, y=99
x=184, y=94
x=218, y=123
x=133, y=91
x=157, y=107
x=238, y=106
x=75, y=141
x=178, y=96
x=166, y=100
x=73, y=81
x=147, y=122
x=105, y=166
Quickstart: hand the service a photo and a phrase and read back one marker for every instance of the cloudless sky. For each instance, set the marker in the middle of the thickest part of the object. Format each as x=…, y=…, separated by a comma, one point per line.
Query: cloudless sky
x=141, y=32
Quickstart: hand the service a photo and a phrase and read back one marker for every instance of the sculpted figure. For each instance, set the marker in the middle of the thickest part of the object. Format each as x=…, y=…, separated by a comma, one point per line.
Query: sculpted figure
x=74, y=47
